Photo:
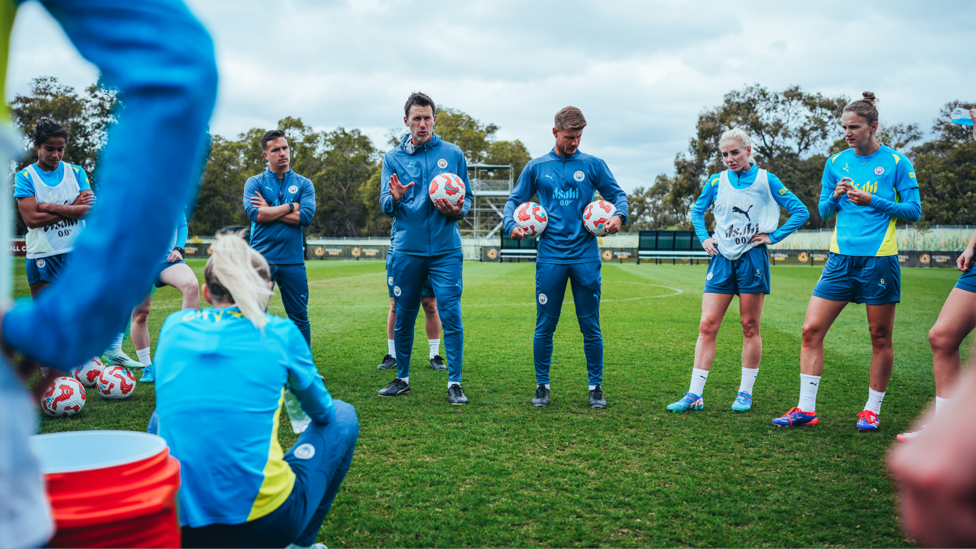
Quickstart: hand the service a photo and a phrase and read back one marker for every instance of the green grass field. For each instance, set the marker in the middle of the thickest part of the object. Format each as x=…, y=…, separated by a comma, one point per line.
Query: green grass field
x=499, y=472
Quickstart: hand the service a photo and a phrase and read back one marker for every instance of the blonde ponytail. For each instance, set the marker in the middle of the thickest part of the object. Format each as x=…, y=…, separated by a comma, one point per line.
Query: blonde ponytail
x=236, y=273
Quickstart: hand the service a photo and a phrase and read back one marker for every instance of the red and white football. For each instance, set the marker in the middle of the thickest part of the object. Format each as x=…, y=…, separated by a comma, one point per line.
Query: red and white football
x=596, y=214
x=532, y=217
x=448, y=186
x=116, y=382
x=65, y=397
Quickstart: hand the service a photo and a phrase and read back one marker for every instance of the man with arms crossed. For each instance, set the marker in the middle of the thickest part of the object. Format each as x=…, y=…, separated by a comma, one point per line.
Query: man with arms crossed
x=279, y=202
x=565, y=180
x=426, y=239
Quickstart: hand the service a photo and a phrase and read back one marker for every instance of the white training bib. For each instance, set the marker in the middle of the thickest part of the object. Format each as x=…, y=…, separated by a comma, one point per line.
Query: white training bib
x=740, y=214
x=60, y=237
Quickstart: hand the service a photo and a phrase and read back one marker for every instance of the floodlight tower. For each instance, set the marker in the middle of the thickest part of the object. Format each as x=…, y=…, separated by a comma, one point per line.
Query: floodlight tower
x=491, y=185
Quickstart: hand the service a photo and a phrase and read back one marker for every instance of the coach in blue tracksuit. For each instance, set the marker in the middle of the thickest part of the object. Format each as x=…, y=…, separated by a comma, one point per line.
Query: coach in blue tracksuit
x=565, y=180
x=426, y=239
x=279, y=203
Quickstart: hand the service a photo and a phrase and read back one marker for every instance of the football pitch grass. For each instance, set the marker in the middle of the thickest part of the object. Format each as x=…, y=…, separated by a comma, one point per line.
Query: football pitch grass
x=499, y=472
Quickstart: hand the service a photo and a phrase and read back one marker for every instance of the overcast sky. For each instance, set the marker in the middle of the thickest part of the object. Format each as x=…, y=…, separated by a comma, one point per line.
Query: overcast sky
x=641, y=71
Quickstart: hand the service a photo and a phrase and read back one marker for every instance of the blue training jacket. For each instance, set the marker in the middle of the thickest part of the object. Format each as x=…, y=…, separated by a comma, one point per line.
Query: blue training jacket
x=279, y=242
x=565, y=186
x=419, y=228
x=162, y=61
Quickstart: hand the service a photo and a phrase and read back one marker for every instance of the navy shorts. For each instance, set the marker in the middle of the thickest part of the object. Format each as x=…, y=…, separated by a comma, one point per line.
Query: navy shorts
x=162, y=267
x=45, y=269
x=428, y=290
x=747, y=275
x=967, y=281
x=869, y=280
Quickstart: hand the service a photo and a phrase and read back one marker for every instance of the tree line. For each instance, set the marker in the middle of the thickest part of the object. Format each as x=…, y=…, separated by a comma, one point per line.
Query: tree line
x=794, y=132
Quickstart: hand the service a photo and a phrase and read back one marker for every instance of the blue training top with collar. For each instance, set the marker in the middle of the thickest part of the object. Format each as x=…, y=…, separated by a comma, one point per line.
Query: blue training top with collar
x=279, y=242
x=419, y=228
x=565, y=185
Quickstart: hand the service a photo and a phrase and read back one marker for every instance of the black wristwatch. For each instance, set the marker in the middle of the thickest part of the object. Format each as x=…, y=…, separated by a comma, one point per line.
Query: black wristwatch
x=181, y=250
x=291, y=207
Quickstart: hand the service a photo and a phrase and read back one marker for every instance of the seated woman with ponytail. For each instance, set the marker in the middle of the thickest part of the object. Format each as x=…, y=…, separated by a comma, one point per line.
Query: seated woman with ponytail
x=220, y=378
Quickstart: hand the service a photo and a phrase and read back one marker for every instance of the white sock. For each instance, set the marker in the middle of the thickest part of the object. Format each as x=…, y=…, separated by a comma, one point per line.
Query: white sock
x=117, y=344
x=391, y=348
x=405, y=379
x=435, y=345
x=592, y=387
x=144, y=357
x=450, y=383
x=547, y=385
x=874, y=401
x=939, y=404
x=698, y=379
x=808, y=393
x=748, y=380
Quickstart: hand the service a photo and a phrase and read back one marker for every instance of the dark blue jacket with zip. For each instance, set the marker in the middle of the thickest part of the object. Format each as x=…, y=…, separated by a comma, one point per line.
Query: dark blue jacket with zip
x=565, y=185
x=419, y=228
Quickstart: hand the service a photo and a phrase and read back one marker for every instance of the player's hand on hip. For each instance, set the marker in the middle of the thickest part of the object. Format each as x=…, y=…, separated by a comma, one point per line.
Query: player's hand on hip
x=449, y=209
x=709, y=245
x=397, y=190
x=843, y=187
x=258, y=200
x=173, y=257
x=518, y=233
x=965, y=260
x=613, y=226
x=859, y=198
x=760, y=238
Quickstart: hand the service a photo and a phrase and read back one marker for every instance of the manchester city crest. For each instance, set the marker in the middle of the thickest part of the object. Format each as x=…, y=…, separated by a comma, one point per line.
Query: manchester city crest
x=442, y=163
x=579, y=175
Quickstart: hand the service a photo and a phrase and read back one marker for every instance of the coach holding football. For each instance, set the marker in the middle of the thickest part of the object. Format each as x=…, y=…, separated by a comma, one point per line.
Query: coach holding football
x=426, y=239
x=565, y=181
x=279, y=203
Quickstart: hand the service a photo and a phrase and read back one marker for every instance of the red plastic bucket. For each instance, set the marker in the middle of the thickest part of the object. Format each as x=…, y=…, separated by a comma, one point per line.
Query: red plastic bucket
x=110, y=488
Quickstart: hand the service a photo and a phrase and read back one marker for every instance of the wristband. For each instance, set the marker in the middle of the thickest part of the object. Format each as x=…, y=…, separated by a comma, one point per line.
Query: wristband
x=291, y=207
x=181, y=250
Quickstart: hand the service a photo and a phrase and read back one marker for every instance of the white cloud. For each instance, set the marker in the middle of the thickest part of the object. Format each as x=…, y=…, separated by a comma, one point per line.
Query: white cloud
x=641, y=71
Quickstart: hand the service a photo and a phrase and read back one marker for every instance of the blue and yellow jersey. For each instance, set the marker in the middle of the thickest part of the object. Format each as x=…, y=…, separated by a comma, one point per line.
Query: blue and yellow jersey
x=219, y=397
x=869, y=230
x=24, y=183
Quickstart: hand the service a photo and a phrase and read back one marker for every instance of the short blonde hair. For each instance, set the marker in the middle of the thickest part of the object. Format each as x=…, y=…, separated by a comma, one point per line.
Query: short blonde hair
x=736, y=134
x=238, y=274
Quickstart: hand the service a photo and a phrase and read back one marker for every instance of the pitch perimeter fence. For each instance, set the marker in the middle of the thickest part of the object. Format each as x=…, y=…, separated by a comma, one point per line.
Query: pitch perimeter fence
x=481, y=251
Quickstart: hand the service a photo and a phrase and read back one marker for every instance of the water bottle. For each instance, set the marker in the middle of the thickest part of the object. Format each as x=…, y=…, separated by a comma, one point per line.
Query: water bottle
x=961, y=116
x=299, y=421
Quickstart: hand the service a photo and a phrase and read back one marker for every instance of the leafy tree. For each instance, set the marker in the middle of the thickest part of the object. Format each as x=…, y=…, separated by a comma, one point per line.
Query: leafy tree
x=88, y=118
x=792, y=134
x=349, y=162
x=219, y=202
x=945, y=169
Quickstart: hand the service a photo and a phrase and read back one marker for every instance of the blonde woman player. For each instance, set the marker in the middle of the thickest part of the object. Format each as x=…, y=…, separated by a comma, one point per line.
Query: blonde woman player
x=747, y=200
x=239, y=489
x=868, y=187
